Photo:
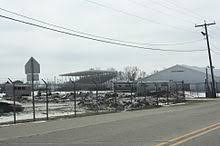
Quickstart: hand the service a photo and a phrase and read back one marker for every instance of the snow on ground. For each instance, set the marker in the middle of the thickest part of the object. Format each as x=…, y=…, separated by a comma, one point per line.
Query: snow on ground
x=65, y=108
x=171, y=104
x=55, y=109
x=197, y=94
x=194, y=94
x=2, y=94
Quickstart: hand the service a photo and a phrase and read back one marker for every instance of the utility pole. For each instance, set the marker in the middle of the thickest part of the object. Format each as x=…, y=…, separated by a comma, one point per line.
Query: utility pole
x=209, y=53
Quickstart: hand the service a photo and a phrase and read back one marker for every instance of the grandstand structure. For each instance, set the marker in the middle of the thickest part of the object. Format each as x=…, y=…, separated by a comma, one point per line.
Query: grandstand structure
x=89, y=80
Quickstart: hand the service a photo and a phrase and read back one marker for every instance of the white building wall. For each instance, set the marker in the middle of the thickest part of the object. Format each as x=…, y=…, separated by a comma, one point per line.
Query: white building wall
x=178, y=73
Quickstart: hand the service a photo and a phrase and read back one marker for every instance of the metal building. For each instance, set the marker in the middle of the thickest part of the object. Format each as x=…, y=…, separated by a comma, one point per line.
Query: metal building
x=193, y=76
x=20, y=88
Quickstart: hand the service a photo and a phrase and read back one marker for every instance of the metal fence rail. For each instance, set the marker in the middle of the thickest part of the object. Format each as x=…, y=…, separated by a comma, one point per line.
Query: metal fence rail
x=52, y=104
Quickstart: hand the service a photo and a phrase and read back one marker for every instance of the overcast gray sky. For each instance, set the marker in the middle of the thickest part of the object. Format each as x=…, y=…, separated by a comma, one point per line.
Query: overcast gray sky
x=144, y=21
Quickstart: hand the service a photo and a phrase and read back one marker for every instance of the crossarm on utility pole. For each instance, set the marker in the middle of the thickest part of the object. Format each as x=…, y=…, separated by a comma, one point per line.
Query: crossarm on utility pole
x=207, y=24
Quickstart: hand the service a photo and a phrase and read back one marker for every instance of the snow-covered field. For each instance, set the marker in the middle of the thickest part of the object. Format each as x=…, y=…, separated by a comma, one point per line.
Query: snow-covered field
x=55, y=109
x=64, y=108
x=194, y=94
x=2, y=94
x=197, y=94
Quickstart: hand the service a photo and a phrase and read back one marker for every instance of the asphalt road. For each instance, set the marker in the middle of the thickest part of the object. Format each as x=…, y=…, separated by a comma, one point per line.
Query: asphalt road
x=209, y=139
x=146, y=127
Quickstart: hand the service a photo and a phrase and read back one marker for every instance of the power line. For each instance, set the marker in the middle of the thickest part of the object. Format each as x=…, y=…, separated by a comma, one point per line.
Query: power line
x=215, y=47
x=215, y=52
x=147, y=7
x=95, y=39
x=187, y=10
x=123, y=12
x=57, y=26
x=175, y=44
x=137, y=16
x=97, y=36
x=168, y=7
x=215, y=33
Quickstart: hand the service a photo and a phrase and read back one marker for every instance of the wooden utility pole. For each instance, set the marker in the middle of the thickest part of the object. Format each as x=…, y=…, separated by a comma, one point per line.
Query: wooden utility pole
x=209, y=53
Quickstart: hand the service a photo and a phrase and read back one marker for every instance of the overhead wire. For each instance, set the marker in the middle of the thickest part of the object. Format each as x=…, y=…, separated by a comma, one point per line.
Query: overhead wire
x=55, y=25
x=175, y=44
x=215, y=52
x=147, y=7
x=218, y=30
x=212, y=44
x=137, y=16
x=199, y=17
x=98, y=40
x=186, y=10
x=189, y=11
x=217, y=49
x=168, y=7
x=97, y=36
x=142, y=4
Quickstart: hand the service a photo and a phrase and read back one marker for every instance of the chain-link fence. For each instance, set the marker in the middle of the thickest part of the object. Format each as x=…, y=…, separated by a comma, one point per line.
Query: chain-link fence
x=203, y=89
x=70, y=101
x=73, y=101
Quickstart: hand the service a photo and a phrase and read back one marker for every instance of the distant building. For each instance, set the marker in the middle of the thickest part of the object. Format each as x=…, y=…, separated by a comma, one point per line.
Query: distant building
x=125, y=86
x=188, y=74
x=192, y=76
x=89, y=80
x=20, y=88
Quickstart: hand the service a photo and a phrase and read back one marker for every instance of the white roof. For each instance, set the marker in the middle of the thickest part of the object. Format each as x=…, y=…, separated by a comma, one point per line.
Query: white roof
x=188, y=74
x=203, y=69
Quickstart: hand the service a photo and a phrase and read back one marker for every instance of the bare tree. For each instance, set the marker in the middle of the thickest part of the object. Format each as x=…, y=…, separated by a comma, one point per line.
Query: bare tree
x=131, y=73
x=142, y=74
x=111, y=69
x=121, y=76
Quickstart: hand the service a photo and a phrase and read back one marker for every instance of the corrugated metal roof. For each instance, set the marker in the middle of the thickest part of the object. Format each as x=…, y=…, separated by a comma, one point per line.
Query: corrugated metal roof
x=89, y=73
x=203, y=69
